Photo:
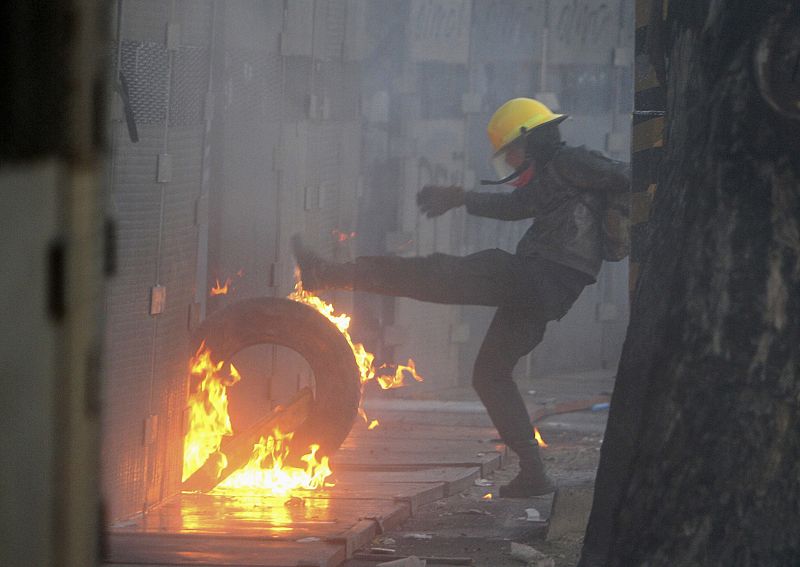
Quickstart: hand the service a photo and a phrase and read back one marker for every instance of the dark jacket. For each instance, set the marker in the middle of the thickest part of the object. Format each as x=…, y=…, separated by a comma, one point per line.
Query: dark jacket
x=566, y=199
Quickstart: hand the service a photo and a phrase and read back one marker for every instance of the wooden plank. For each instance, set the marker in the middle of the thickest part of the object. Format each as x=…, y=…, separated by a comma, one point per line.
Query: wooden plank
x=171, y=549
x=415, y=494
x=423, y=445
x=146, y=547
x=386, y=557
x=358, y=536
x=421, y=496
x=365, y=530
x=422, y=451
x=455, y=479
x=354, y=459
x=257, y=516
x=406, y=430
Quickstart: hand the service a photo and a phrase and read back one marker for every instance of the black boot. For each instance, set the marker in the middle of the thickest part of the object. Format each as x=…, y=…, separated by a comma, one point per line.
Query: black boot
x=317, y=273
x=532, y=479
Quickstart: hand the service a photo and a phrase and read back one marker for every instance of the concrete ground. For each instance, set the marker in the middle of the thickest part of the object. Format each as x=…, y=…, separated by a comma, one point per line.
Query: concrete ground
x=423, y=483
x=469, y=526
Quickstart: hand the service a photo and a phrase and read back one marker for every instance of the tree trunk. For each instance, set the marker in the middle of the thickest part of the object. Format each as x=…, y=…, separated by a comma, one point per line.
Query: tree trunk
x=701, y=460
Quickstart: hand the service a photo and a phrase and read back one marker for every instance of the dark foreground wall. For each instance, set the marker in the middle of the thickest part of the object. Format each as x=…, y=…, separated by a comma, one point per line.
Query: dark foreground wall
x=52, y=252
x=700, y=464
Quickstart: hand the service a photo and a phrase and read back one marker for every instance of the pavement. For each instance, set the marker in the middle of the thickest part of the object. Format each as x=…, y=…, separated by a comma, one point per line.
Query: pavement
x=416, y=485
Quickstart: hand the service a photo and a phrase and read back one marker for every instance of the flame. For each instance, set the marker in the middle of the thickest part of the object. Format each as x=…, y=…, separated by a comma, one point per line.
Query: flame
x=342, y=236
x=209, y=422
x=487, y=496
x=224, y=289
x=267, y=469
x=221, y=289
x=538, y=437
x=373, y=424
x=364, y=358
x=388, y=381
x=208, y=410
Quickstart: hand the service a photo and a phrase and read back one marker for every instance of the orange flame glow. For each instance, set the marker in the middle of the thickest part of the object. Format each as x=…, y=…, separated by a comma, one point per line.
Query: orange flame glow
x=342, y=236
x=209, y=422
x=267, y=469
x=373, y=424
x=364, y=358
x=538, y=437
x=221, y=289
x=208, y=410
x=487, y=496
x=388, y=381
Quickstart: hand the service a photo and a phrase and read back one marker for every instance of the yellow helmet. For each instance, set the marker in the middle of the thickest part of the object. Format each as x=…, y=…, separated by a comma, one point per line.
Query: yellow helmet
x=517, y=116
x=508, y=125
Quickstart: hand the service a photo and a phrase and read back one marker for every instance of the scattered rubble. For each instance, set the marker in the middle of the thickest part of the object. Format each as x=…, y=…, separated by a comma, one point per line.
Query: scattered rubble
x=417, y=536
x=411, y=561
x=530, y=556
x=533, y=515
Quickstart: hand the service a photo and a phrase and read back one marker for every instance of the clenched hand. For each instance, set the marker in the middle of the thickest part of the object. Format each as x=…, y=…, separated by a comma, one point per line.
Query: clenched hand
x=435, y=200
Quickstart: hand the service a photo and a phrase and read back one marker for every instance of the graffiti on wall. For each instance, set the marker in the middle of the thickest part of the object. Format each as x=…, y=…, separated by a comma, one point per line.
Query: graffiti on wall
x=507, y=30
x=439, y=161
x=438, y=30
x=584, y=31
x=440, y=152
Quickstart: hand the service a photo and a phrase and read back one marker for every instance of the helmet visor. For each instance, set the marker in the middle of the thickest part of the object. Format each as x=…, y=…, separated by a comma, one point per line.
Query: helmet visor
x=501, y=167
x=508, y=159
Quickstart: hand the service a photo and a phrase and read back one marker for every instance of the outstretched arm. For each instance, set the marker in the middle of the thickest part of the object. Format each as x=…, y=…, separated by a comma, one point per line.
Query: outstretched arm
x=436, y=200
x=503, y=206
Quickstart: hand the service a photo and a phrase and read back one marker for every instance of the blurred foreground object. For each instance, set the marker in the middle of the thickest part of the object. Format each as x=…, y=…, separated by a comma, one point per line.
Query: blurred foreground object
x=700, y=464
x=56, y=252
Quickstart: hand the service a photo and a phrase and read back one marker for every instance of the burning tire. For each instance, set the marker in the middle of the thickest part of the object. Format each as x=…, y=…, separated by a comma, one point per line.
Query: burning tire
x=299, y=327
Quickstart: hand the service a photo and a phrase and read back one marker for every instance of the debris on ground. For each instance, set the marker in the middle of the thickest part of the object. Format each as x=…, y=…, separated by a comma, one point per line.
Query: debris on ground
x=412, y=561
x=382, y=551
x=532, y=515
x=417, y=536
x=530, y=556
x=477, y=512
x=454, y=531
x=433, y=560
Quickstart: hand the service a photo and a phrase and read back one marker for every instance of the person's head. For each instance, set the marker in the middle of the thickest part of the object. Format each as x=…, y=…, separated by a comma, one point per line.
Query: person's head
x=522, y=131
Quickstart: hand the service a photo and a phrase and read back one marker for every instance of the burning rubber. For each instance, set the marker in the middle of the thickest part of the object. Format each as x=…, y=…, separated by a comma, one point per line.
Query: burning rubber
x=268, y=320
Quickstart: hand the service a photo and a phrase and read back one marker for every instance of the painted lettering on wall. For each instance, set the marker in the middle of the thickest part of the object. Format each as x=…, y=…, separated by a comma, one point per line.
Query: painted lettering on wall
x=583, y=23
x=500, y=22
x=438, y=30
x=438, y=19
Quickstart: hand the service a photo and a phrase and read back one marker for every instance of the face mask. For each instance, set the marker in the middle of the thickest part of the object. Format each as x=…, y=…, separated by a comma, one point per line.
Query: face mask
x=524, y=178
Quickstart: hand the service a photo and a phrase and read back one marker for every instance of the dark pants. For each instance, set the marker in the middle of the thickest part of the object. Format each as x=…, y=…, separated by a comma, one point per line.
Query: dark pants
x=528, y=292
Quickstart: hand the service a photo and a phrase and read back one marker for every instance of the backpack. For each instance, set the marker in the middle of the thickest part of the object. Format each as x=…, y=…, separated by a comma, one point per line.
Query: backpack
x=592, y=172
x=616, y=226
